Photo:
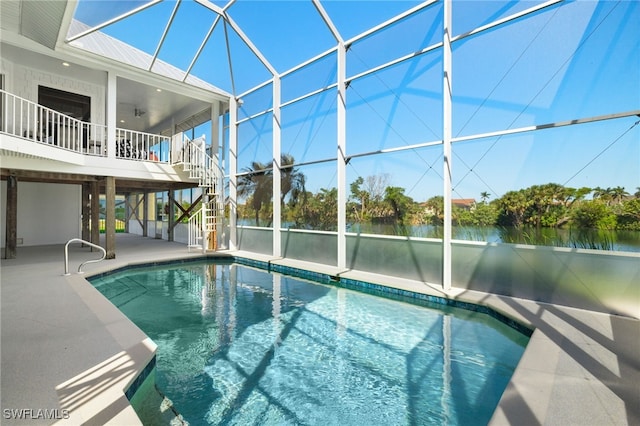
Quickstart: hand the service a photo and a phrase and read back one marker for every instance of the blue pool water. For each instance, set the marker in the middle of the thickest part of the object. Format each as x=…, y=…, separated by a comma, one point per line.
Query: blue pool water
x=238, y=345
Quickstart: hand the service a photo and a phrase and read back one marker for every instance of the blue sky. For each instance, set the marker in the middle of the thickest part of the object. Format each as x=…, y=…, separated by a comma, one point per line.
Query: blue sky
x=580, y=59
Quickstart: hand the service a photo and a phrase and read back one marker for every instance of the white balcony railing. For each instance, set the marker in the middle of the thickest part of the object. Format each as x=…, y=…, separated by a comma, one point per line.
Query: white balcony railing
x=29, y=120
x=142, y=146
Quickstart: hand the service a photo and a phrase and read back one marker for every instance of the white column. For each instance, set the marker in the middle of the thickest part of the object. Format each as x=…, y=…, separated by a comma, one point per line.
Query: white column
x=341, y=114
x=224, y=153
x=215, y=128
x=112, y=103
x=446, y=136
x=233, y=169
x=277, y=173
x=215, y=149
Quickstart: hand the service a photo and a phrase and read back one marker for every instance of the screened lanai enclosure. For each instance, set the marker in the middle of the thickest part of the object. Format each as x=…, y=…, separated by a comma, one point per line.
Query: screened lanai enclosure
x=486, y=145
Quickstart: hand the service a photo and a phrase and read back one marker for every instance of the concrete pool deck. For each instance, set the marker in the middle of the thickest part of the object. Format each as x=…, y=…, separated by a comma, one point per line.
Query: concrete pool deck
x=67, y=350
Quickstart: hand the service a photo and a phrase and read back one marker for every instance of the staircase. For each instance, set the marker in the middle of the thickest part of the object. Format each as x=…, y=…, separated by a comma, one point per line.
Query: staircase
x=204, y=225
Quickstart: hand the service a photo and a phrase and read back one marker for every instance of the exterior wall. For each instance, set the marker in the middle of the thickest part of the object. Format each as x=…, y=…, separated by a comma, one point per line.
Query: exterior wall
x=151, y=229
x=134, y=227
x=23, y=80
x=180, y=231
x=3, y=213
x=6, y=68
x=47, y=213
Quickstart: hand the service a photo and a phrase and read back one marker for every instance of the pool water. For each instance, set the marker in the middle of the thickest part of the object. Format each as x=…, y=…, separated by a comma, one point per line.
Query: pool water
x=238, y=345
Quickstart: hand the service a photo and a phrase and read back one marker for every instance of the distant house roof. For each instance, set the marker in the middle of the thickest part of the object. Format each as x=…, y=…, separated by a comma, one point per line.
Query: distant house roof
x=463, y=202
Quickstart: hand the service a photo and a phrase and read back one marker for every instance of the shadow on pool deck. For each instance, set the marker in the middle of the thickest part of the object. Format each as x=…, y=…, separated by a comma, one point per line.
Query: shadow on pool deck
x=580, y=367
x=56, y=328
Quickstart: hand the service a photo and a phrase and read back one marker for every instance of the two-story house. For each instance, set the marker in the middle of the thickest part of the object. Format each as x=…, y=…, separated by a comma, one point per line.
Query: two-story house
x=77, y=128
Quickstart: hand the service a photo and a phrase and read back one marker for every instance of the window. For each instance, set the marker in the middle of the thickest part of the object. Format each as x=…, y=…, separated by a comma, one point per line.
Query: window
x=71, y=104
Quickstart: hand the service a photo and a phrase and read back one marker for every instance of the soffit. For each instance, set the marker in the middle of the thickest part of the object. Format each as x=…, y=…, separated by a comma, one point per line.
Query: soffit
x=38, y=20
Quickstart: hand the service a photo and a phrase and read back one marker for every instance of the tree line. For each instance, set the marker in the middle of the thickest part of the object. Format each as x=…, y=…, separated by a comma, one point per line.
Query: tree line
x=373, y=200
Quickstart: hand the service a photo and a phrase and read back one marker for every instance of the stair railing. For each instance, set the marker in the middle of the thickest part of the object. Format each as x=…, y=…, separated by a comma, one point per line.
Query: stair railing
x=201, y=166
x=194, y=229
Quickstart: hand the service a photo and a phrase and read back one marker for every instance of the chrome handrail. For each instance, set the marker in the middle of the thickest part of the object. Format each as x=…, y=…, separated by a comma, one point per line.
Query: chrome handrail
x=66, y=255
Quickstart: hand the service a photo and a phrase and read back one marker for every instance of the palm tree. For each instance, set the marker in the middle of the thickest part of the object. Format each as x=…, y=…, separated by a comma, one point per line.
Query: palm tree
x=618, y=194
x=360, y=196
x=513, y=206
x=484, y=196
x=604, y=194
x=256, y=186
x=256, y=183
x=399, y=202
x=291, y=179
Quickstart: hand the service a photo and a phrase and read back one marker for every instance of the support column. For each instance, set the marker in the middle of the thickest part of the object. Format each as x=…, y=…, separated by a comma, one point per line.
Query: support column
x=215, y=129
x=446, y=136
x=216, y=141
x=95, y=213
x=172, y=215
x=11, y=236
x=86, y=211
x=277, y=172
x=127, y=211
x=112, y=103
x=233, y=170
x=145, y=214
x=342, y=163
x=110, y=214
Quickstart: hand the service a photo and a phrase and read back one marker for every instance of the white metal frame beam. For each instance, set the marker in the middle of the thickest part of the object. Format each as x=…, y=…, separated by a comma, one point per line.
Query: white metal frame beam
x=341, y=136
x=233, y=170
x=164, y=34
x=547, y=126
x=201, y=48
x=277, y=172
x=341, y=115
x=241, y=34
x=112, y=21
x=446, y=144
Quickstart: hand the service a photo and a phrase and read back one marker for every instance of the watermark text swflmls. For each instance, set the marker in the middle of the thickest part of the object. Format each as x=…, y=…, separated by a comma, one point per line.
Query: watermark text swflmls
x=35, y=414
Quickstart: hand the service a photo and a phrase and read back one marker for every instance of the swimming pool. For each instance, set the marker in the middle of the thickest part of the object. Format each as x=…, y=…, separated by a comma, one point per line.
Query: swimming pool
x=239, y=345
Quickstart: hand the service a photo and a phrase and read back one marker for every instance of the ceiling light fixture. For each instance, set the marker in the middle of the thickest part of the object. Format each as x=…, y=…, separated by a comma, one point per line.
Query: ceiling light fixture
x=65, y=64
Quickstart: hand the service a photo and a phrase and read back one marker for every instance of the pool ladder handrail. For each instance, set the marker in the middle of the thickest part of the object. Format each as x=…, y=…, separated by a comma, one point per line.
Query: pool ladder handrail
x=66, y=255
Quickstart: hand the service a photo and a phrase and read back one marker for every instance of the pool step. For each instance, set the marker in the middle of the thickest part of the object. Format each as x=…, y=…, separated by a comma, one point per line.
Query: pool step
x=124, y=290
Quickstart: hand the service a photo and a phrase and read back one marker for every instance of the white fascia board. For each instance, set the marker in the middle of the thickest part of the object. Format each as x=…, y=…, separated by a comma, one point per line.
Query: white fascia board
x=18, y=149
x=130, y=169
x=23, y=154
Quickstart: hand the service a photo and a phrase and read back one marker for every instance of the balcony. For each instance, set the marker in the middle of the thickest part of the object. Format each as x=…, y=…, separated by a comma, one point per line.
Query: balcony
x=28, y=120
